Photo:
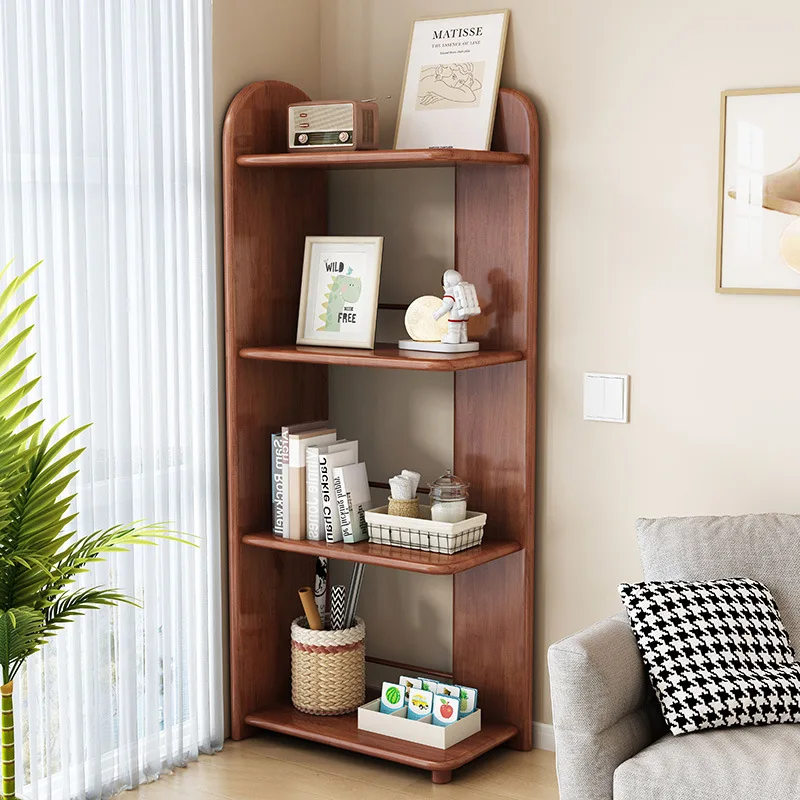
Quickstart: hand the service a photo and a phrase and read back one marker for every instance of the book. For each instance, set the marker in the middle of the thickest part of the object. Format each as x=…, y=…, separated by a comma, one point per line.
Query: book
x=327, y=463
x=342, y=510
x=353, y=498
x=315, y=529
x=295, y=508
x=277, y=484
x=285, y=431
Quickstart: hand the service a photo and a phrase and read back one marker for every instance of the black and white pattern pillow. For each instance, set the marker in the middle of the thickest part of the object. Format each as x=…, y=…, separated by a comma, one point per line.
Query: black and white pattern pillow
x=716, y=652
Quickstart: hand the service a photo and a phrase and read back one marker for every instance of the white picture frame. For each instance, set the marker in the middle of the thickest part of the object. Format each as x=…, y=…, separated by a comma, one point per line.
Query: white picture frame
x=758, y=236
x=452, y=78
x=341, y=278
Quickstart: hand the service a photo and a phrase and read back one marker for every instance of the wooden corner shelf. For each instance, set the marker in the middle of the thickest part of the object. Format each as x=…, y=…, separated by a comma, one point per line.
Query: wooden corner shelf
x=382, y=159
x=273, y=200
x=384, y=355
x=343, y=732
x=394, y=557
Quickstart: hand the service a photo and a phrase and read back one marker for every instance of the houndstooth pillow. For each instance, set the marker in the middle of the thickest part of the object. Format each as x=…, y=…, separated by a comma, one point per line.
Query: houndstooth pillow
x=716, y=652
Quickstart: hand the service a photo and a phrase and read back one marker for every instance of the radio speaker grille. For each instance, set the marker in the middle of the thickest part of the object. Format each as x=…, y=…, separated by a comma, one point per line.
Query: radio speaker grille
x=368, y=125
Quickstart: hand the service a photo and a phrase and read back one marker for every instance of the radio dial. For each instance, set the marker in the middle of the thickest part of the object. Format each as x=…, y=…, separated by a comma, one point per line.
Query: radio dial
x=344, y=136
x=302, y=138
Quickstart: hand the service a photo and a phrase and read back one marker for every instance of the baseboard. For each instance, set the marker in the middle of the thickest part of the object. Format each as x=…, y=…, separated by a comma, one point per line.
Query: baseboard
x=544, y=737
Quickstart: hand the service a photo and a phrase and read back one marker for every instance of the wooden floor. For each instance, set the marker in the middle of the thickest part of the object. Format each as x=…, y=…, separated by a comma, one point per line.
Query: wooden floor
x=275, y=767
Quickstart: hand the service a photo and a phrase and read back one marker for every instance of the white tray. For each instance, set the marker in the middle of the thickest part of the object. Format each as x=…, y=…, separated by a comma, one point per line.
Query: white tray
x=423, y=533
x=398, y=726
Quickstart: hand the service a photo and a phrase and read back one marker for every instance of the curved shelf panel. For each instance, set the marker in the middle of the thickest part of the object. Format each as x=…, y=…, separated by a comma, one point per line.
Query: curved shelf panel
x=394, y=557
x=382, y=159
x=343, y=732
x=386, y=356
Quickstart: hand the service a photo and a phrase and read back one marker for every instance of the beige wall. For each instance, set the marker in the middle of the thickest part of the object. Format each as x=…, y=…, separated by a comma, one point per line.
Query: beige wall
x=628, y=94
x=254, y=40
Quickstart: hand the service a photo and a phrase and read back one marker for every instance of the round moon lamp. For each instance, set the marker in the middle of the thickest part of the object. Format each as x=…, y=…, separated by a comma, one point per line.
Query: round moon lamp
x=420, y=324
x=439, y=325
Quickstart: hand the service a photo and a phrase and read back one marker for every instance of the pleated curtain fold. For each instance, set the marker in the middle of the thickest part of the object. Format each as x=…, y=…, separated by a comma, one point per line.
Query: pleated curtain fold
x=106, y=173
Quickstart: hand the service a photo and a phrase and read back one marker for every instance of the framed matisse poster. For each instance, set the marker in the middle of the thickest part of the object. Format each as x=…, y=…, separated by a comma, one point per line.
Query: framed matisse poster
x=452, y=77
x=339, y=293
x=758, y=248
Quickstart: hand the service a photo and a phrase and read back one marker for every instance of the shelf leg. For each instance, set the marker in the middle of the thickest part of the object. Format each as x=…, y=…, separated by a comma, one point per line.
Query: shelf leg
x=442, y=775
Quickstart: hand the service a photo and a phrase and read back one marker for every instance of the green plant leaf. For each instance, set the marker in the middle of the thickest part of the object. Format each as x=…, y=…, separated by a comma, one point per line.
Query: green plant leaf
x=21, y=635
x=12, y=400
x=13, y=375
x=10, y=348
x=13, y=317
x=16, y=283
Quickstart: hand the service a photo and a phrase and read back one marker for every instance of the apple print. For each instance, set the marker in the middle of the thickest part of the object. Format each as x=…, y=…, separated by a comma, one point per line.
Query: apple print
x=446, y=710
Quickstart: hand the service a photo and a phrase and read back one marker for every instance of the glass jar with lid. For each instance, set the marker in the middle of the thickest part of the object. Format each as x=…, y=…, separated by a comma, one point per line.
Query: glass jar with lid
x=448, y=498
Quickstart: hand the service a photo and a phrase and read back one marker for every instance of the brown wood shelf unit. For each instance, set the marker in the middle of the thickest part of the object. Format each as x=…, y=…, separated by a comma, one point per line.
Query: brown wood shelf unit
x=382, y=159
x=268, y=211
x=394, y=557
x=383, y=356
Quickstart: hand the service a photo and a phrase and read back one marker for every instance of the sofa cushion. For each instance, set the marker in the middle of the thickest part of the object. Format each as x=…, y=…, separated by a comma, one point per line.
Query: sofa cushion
x=716, y=652
x=732, y=764
x=765, y=547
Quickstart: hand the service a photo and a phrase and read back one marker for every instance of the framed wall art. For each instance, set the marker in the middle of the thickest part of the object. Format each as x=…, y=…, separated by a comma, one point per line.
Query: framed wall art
x=758, y=250
x=339, y=293
x=451, y=81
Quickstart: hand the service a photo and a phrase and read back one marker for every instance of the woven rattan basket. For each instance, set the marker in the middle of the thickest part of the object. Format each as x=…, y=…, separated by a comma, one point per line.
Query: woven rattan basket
x=327, y=669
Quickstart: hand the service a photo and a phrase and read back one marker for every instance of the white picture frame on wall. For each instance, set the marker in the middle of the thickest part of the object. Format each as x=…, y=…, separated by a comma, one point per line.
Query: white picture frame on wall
x=758, y=238
x=339, y=292
x=452, y=78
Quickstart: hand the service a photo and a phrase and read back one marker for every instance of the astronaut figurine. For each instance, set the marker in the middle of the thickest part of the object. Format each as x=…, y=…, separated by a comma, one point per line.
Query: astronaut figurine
x=460, y=302
x=440, y=326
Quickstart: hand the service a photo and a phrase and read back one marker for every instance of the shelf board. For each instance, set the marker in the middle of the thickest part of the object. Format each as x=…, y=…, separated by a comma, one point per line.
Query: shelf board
x=394, y=557
x=386, y=356
x=343, y=732
x=382, y=159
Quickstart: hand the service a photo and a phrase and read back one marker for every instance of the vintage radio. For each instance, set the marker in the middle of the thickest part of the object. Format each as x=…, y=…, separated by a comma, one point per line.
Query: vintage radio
x=336, y=125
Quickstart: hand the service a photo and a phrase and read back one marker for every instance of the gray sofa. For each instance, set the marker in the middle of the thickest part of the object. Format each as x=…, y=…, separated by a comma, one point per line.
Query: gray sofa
x=611, y=740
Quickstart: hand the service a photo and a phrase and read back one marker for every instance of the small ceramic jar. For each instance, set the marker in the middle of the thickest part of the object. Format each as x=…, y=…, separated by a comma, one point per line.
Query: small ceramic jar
x=448, y=498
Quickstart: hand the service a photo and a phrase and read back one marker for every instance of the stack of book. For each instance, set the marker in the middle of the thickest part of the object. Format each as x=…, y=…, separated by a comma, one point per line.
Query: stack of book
x=320, y=489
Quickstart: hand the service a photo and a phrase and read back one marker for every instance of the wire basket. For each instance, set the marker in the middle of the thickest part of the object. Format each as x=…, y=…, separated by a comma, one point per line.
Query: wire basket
x=328, y=670
x=424, y=533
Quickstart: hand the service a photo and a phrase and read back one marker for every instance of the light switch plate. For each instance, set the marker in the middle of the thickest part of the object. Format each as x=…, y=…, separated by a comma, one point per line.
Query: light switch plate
x=606, y=397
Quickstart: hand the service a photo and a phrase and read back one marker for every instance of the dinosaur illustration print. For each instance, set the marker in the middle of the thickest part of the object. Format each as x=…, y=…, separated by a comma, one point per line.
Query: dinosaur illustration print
x=344, y=290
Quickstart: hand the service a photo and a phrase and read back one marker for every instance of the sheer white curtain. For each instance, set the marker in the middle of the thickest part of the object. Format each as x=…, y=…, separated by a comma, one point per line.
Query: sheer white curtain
x=106, y=173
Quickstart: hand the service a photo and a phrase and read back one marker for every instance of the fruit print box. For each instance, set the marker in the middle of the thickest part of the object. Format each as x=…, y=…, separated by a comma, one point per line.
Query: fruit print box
x=420, y=731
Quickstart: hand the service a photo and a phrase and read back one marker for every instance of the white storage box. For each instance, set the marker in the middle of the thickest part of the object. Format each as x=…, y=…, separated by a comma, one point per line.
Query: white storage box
x=398, y=726
x=423, y=533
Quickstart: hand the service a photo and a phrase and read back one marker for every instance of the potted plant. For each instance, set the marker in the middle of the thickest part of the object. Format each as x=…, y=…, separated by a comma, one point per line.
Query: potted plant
x=40, y=554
